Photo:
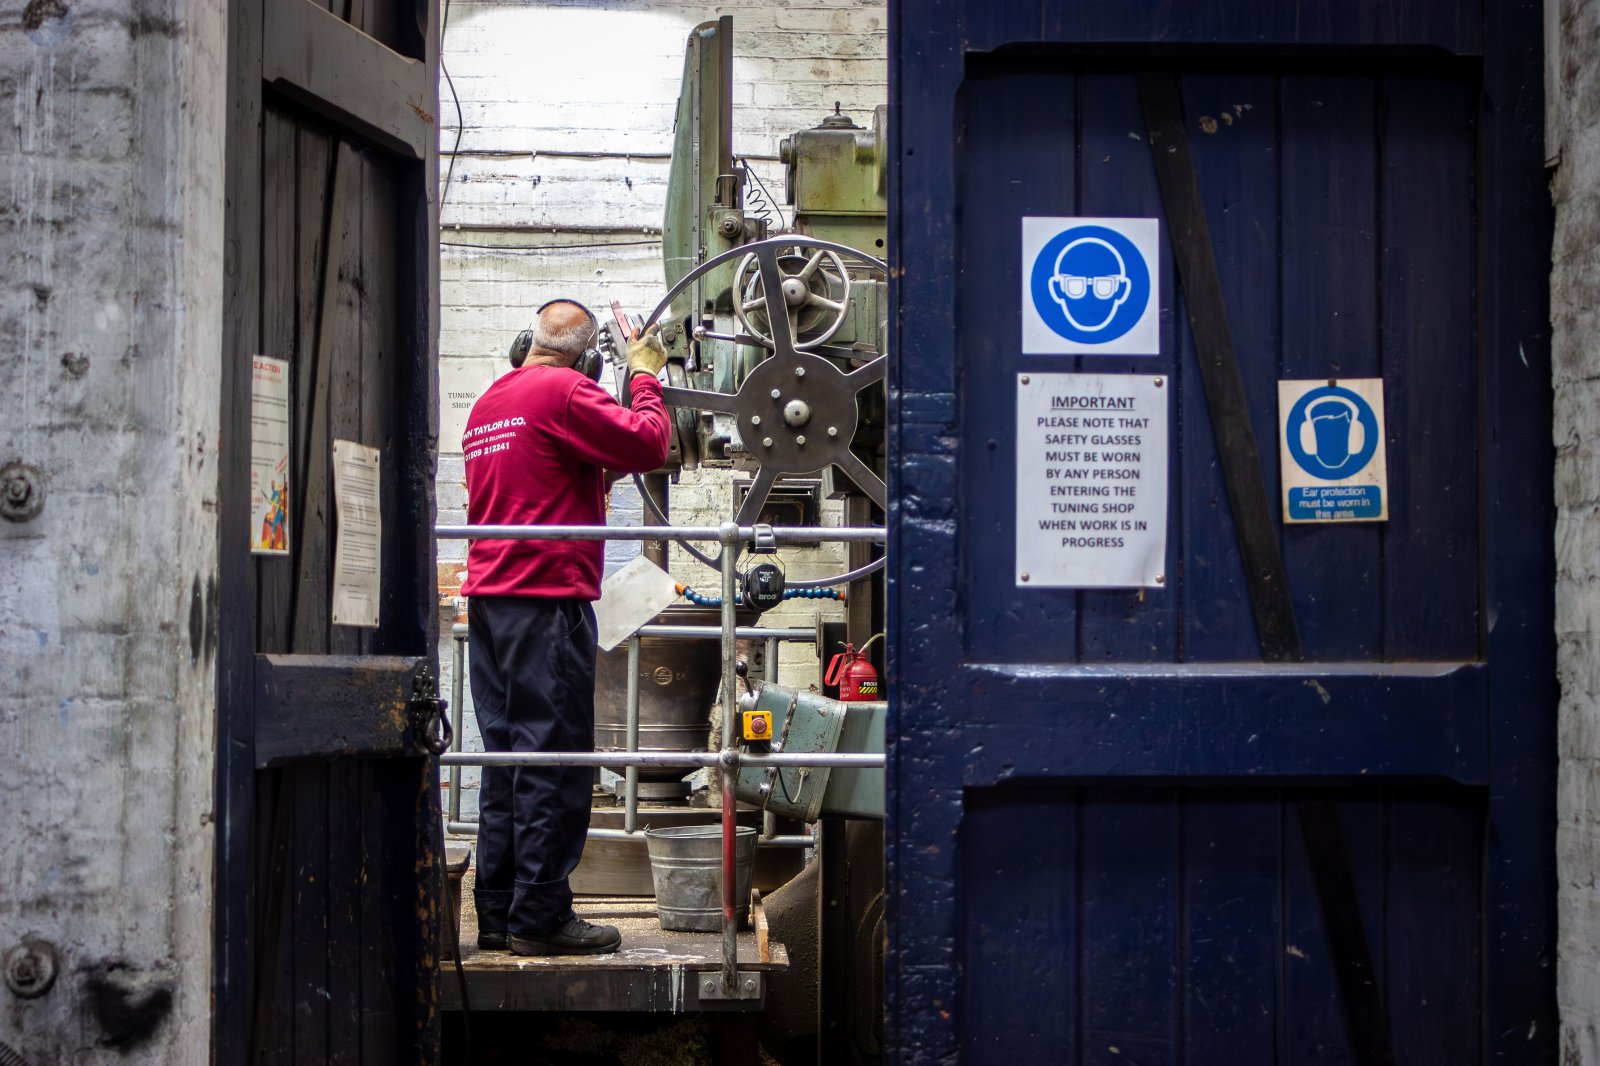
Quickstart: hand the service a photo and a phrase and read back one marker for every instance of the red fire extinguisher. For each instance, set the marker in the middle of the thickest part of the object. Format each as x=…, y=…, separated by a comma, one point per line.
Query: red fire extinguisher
x=853, y=672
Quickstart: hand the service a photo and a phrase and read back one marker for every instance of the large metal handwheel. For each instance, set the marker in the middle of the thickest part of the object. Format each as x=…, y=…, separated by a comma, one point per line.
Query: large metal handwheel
x=816, y=296
x=796, y=411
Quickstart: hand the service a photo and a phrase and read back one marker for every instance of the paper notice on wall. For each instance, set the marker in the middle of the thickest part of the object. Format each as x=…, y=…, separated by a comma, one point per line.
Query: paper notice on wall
x=1092, y=481
x=269, y=456
x=358, y=538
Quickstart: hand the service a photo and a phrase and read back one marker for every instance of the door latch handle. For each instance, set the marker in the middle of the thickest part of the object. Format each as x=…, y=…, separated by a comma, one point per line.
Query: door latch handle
x=430, y=729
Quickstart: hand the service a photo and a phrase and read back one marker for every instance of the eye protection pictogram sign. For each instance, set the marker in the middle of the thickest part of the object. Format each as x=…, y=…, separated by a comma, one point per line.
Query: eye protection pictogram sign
x=1091, y=286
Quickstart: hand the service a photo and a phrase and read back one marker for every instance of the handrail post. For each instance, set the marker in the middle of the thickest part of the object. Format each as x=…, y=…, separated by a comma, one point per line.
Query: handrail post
x=630, y=817
x=729, y=535
x=457, y=698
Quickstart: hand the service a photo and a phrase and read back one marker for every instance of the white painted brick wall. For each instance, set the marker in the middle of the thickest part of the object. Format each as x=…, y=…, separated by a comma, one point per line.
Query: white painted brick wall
x=1575, y=311
x=111, y=313
x=568, y=110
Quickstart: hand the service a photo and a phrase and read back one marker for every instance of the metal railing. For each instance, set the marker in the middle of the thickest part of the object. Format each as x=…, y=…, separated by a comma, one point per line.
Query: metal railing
x=729, y=759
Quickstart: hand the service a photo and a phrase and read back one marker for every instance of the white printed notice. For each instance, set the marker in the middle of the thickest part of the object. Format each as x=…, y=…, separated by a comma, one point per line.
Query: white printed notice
x=269, y=456
x=358, y=542
x=1091, y=480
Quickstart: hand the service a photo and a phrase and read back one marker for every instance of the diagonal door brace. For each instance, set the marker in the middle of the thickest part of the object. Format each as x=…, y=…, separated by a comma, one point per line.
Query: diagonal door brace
x=1327, y=853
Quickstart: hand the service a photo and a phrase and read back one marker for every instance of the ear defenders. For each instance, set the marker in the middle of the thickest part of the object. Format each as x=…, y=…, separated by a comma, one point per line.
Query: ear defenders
x=1358, y=432
x=588, y=364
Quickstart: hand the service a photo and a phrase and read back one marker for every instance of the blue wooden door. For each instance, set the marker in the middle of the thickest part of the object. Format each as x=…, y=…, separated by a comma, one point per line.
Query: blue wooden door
x=1151, y=827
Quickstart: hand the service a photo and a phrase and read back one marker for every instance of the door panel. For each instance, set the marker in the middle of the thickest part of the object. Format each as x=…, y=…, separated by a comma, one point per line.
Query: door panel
x=1341, y=209
x=1187, y=840
x=329, y=868
x=1182, y=926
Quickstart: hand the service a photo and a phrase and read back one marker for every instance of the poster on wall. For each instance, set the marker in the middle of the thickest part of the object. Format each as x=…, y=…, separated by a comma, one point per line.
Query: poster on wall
x=269, y=456
x=358, y=539
x=1331, y=440
x=1091, y=481
x=461, y=382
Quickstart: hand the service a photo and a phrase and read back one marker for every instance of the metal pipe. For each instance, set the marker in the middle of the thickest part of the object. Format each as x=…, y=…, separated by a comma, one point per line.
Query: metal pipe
x=730, y=767
x=664, y=759
x=631, y=795
x=780, y=534
x=791, y=840
x=772, y=655
x=458, y=658
x=715, y=632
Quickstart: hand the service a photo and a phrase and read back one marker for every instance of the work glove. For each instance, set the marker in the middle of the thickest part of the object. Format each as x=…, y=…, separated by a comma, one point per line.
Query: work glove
x=646, y=354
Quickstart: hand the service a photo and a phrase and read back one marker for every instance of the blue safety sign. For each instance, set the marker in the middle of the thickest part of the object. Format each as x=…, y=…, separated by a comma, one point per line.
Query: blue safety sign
x=1090, y=286
x=1333, y=457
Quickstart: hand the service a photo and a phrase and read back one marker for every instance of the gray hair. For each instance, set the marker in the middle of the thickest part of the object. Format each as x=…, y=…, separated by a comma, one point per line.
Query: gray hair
x=572, y=341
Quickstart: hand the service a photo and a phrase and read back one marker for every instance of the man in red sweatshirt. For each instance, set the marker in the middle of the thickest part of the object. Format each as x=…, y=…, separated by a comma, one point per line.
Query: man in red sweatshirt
x=537, y=444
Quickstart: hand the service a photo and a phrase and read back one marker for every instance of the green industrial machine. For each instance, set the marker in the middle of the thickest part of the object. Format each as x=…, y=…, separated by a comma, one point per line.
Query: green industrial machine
x=775, y=320
x=716, y=322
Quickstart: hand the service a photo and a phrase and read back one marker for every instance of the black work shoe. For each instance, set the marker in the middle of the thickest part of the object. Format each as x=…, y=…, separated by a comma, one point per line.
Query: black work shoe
x=492, y=941
x=577, y=937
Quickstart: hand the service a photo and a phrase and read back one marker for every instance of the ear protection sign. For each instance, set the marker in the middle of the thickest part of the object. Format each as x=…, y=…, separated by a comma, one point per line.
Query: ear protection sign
x=588, y=364
x=1308, y=429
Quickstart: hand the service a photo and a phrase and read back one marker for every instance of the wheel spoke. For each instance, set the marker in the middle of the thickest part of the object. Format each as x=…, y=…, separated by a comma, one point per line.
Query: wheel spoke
x=822, y=301
x=811, y=265
x=755, y=305
x=772, y=282
x=870, y=374
x=703, y=399
x=865, y=479
x=756, y=498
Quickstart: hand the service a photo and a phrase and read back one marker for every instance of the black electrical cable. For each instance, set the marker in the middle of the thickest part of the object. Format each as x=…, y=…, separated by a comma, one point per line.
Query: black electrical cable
x=763, y=205
x=444, y=24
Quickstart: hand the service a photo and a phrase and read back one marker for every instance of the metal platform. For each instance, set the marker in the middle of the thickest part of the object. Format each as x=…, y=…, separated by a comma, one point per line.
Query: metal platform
x=655, y=970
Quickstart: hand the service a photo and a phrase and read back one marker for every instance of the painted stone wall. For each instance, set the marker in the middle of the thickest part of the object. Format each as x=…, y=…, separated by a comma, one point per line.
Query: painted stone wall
x=110, y=324
x=1575, y=310
x=559, y=186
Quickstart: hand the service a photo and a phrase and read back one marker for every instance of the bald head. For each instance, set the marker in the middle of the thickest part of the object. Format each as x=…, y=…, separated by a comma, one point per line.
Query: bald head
x=564, y=329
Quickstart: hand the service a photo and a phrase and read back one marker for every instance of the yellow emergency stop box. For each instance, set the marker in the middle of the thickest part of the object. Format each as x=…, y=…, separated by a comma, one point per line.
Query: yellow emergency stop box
x=757, y=725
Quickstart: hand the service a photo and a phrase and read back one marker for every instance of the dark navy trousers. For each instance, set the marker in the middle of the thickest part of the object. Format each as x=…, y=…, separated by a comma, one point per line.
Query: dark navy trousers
x=532, y=670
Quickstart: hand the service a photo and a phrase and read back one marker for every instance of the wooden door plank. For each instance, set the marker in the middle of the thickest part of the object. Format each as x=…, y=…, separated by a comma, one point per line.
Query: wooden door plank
x=340, y=354
x=279, y=254
x=333, y=706
x=1232, y=859
x=309, y=898
x=1116, y=179
x=1427, y=273
x=312, y=602
x=1237, y=168
x=1330, y=330
x=1039, y=177
x=1019, y=848
x=1226, y=398
x=1434, y=928
x=346, y=875
x=317, y=58
x=1129, y=923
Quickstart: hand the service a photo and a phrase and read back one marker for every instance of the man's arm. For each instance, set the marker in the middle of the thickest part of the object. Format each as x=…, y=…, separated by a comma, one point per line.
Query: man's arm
x=602, y=432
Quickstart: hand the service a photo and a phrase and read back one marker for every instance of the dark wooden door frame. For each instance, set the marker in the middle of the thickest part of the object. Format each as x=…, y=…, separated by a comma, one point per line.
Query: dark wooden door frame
x=366, y=90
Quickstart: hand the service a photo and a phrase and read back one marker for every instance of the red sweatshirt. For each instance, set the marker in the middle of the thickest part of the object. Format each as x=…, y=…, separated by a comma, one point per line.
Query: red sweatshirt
x=535, y=445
